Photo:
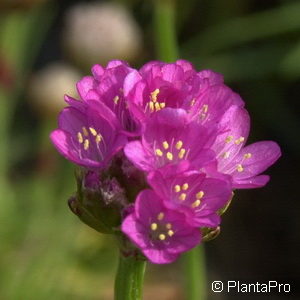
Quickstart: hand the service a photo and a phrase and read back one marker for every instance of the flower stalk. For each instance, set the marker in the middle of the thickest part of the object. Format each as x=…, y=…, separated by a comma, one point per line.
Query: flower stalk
x=129, y=278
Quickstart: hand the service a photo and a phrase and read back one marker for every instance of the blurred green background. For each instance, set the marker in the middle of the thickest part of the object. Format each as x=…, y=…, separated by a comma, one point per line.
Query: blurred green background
x=46, y=46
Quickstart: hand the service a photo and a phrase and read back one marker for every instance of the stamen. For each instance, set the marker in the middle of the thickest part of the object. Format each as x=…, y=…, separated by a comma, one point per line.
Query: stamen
x=165, y=145
x=162, y=237
x=116, y=99
x=151, y=106
x=154, y=95
x=160, y=216
x=199, y=195
x=153, y=226
x=158, y=152
x=179, y=145
x=205, y=108
x=239, y=168
x=93, y=131
x=239, y=140
x=226, y=154
x=229, y=139
x=85, y=132
x=247, y=155
x=181, y=153
x=193, y=102
x=170, y=233
x=79, y=137
x=162, y=105
x=98, y=138
x=169, y=156
x=86, y=144
x=177, y=188
x=196, y=203
x=157, y=106
x=168, y=225
x=185, y=186
x=182, y=196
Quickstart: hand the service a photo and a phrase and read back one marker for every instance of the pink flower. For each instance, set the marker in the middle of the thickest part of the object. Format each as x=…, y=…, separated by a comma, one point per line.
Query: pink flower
x=161, y=234
x=158, y=85
x=89, y=137
x=170, y=138
x=192, y=193
x=243, y=163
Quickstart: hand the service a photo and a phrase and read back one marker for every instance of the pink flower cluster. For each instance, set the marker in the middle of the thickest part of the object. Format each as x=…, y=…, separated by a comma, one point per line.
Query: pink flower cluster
x=183, y=130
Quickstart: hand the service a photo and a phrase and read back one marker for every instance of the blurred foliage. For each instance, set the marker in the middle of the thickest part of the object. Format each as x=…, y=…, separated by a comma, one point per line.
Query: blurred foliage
x=45, y=252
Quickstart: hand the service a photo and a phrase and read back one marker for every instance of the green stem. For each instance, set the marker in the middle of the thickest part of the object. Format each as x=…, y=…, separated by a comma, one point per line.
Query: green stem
x=129, y=279
x=165, y=30
x=195, y=274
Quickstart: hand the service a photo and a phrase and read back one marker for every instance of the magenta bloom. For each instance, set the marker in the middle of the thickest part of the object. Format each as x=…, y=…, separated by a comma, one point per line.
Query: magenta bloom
x=198, y=197
x=88, y=137
x=244, y=164
x=158, y=85
x=160, y=233
x=106, y=86
x=169, y=138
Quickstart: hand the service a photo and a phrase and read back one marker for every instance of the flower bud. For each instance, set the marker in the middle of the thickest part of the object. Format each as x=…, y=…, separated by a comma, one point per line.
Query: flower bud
x=98, y=203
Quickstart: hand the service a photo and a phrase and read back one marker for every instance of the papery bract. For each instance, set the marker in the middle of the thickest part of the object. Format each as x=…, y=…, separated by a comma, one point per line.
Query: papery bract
x=160, y=233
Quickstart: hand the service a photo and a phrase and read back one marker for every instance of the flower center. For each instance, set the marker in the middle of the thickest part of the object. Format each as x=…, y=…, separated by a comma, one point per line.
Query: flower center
x=171, y=151
x=161, y=230
x=154, y=104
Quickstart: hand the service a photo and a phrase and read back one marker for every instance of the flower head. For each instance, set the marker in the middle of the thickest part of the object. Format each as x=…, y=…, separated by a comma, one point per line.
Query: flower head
x=160, y=233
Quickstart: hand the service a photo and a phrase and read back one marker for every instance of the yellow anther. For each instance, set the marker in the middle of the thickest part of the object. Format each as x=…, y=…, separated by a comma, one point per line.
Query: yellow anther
x=157, y=106
x=226, y=154
x=170, y=232
x=182, y=196
x=79, y=137
x=168, y=225
x=98, y=138
x=154, y=95
x=158, y=152
x=153, y=226
x=160, y=216
x=181, y=153
x=193, y=102
x=177, y=188
x=169, y=156
x=185, y=186
x=93, y=131
x=229, y=139
x=86, y=144
x=116, y=99
x=162, y=237
x=165, y=145
x=196, y=203
x=239, y=140
x=247, y=155
x=151, y=106
x=205, y=108
x=239, y=168
x=162, y=105
x=200, y=195
x=179, y=145
x=85, y=132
